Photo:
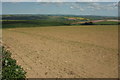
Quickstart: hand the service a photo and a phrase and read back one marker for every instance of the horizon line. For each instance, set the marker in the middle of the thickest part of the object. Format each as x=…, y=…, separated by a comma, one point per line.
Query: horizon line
x=56, y=14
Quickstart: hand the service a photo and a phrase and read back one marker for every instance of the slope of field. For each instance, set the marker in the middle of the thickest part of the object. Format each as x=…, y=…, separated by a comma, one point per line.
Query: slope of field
x=107, y=23
x=66, y=51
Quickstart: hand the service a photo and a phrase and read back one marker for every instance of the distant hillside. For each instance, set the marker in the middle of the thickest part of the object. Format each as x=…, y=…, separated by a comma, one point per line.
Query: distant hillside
x=12, y=21
x=42, y=17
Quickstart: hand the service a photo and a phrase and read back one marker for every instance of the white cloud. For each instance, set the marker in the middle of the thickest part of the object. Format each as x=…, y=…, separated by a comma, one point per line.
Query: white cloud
x=81, y=9
x=76, y=6
x=71, y=7
x=60, y=0
x=100, y=6
x=18, y=0
x=93, y=6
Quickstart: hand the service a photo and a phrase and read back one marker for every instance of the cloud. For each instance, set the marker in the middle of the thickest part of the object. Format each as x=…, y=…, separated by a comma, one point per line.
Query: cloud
x=60, y=0
x=18, y=0
x=81, y=9
x=98, y=0
x=71, y=7
x=76, y=6
x=94, y=6
x=100, y=6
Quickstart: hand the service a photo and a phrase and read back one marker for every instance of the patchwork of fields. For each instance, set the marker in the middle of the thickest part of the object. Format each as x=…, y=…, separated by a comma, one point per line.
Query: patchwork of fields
x=65, y=51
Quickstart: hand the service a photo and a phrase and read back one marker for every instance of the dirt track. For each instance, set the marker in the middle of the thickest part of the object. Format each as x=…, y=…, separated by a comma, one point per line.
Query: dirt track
x=65, y=52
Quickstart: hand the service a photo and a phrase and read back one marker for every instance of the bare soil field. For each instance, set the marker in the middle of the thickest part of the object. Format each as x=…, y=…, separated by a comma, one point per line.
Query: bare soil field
x=65, y=51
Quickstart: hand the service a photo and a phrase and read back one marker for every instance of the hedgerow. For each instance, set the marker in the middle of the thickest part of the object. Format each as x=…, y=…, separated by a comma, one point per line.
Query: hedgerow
x=10, y=70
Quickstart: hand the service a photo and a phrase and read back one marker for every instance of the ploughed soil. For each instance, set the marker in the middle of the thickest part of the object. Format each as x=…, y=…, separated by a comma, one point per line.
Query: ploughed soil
x=65, y=51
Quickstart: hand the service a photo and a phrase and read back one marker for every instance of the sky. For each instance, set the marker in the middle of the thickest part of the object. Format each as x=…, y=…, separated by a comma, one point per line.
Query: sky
x=87, y=7
x=60, y=0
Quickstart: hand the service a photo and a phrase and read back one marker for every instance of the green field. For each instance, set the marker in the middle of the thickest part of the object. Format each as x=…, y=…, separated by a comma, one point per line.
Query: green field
x=107, y=23
x=46, y=23
x=14, y=21
x=31, y=23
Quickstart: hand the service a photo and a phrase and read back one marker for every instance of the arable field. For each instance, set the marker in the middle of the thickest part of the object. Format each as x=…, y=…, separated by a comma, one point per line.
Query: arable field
x=65, y=51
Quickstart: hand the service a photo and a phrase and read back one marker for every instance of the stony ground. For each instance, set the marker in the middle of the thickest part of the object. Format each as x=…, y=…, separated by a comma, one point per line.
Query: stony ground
x=66, y=51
